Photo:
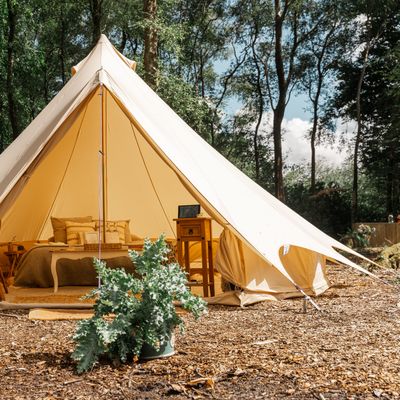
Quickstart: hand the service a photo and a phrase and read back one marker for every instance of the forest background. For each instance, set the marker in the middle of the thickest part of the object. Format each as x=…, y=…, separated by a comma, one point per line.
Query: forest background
x=230, y=68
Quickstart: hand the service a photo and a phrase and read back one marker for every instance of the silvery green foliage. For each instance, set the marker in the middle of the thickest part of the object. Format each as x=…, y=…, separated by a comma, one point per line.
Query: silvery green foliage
x=131, y=310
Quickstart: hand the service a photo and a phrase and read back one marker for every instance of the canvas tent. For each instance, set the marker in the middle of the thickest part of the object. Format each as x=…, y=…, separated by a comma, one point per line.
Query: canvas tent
x=106, y=118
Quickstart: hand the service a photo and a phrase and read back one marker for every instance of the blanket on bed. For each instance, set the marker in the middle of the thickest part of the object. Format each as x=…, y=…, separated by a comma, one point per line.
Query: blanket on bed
x=33, y=269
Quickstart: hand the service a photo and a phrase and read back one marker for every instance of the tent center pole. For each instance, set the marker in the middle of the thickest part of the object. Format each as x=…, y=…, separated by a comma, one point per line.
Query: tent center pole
x=103, y=94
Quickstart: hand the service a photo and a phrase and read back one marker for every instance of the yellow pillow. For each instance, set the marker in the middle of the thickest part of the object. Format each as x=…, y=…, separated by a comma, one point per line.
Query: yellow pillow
x=59, y=229
x=74, y=229
x=122, y=227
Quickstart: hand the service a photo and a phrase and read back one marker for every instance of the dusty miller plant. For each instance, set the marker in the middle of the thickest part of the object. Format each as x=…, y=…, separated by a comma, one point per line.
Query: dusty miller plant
x=131, y=310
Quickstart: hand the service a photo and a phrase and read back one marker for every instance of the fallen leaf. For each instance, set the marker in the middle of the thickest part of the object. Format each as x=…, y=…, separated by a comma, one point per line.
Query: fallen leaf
x=207, y=381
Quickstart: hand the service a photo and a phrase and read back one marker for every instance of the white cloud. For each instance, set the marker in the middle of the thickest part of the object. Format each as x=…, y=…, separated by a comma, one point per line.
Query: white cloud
x=296, y=144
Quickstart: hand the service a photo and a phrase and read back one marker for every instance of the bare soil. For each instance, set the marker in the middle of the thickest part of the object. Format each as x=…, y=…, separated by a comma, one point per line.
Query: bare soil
x=272, y=350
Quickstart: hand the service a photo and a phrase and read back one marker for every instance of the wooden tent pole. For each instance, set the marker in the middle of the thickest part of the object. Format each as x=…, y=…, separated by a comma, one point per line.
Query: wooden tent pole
x=104, y=157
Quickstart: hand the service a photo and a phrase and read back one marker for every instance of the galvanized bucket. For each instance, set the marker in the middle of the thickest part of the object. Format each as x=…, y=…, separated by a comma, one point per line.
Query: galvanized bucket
x=167, y=349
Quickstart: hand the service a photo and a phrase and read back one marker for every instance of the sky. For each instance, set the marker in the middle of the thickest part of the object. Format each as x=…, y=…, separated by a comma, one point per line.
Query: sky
x=296, y=125
x=296, y=145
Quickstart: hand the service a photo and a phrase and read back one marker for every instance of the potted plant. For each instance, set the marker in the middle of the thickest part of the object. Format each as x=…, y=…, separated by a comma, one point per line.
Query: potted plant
x=133, y=313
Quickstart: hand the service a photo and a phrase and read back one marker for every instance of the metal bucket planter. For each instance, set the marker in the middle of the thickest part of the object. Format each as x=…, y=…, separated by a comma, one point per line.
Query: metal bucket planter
x=167, y=349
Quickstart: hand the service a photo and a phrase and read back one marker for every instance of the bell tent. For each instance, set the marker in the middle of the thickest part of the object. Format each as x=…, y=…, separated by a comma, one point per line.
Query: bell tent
x=108, y=142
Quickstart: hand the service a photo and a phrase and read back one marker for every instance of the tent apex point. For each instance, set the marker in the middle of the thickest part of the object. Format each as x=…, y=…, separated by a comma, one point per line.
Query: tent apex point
x=103, y=38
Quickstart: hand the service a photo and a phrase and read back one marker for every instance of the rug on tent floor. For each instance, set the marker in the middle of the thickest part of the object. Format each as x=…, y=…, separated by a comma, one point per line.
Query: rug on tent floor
x=66, y=297
x=58, y=314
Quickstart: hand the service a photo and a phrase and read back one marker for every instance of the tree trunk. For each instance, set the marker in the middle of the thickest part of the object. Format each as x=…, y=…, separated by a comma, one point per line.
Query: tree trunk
x=255, y=141
x=46, y=81
x=201, y=77
x=260, y=109
x=313, y=139
x=97, y=13
x=396, y=208
x=389, y=186
x=278, y=160
x=315, y=103
x=62, y=44
x=354, y=194
x=12, y=21
x=279, y=110
x=2, y=130
x=150, y=43
x=124, y=39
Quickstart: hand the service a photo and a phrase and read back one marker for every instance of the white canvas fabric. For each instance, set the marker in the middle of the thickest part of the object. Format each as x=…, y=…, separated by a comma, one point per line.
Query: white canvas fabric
x=154, y=162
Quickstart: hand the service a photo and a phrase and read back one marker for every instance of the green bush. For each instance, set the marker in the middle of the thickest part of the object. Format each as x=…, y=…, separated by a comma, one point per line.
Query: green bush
x=359, y=237
x=328, y=208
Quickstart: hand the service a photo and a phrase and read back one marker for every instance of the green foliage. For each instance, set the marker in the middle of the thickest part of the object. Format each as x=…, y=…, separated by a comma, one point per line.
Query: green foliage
x=390, y=258
x=181, y=97
x=379, y=150
x=133, y=310
x=359, y=237
x=327, y=208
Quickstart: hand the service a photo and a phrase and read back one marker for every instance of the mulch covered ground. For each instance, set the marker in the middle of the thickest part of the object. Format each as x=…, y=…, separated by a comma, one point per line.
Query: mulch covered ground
x=272, y=350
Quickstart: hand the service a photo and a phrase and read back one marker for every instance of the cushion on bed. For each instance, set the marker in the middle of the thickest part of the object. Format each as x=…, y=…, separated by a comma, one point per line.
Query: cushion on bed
x=135, y=237
x=122, y=227
x=75, y=229
x=59, y=229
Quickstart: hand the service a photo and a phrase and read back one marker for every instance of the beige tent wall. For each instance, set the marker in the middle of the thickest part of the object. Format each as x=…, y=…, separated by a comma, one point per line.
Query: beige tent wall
x=167, y=182
x=61, y=180
x=66, y=182
x=140, y=185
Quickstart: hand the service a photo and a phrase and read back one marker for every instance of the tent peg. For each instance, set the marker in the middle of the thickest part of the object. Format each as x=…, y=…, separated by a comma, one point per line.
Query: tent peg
x=304, y=305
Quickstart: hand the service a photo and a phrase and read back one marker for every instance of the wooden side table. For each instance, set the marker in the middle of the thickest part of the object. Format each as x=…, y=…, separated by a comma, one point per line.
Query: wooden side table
x=13, y=256
x=196, y=230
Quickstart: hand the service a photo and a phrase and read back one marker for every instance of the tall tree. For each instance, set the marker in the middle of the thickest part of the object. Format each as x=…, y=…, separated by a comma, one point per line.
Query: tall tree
x=12, y=22
x=363, y=94
x=150, y=57
x=3, y=98
x=96, y=11
x=369, y=21
x=289, y=22
x=319, y=59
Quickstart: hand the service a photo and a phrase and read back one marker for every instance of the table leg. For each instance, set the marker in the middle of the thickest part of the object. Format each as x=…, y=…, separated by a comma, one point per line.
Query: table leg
x=53, y=268
x=211, y=268
x=187, y=259
x=204, y=267
x=13, y=263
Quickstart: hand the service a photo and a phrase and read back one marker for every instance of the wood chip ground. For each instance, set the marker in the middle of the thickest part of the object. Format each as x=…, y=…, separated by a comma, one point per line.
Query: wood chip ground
x=272, y=350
